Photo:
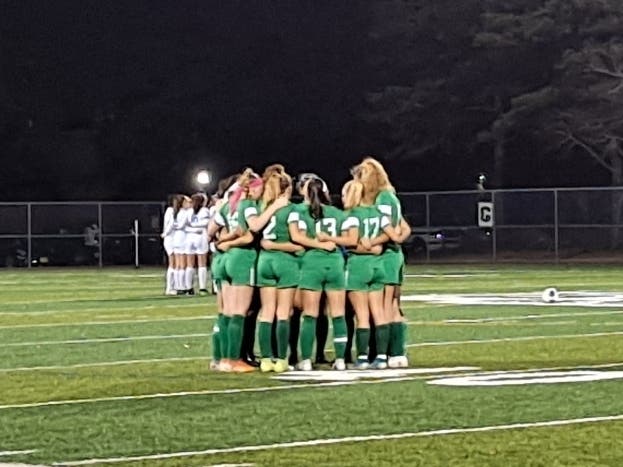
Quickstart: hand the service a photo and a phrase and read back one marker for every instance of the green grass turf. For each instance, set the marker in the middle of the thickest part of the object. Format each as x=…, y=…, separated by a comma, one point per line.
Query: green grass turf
x=43, y=309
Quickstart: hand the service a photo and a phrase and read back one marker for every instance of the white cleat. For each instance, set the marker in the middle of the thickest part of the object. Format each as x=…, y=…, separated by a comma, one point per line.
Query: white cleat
x=399, y=361
x=305, y=365
x=339, y=364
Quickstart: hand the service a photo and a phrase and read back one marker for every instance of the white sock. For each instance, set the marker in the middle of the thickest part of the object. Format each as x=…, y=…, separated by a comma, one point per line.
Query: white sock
x=180, y=282
x=190, y=275
x=170, y=279
x=203, y=277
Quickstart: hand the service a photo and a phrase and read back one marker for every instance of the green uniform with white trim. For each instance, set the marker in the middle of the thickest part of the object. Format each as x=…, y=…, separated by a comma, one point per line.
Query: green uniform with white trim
x=278, y=268
x=321, y=269
x=393, y=258
x=238, y=264
x=365, y=272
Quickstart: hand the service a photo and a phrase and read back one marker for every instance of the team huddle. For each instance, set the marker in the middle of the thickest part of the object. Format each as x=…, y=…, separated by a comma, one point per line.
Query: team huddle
x=309, y=256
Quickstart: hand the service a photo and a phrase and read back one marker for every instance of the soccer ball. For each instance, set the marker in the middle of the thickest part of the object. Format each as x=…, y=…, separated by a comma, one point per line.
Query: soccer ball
x=550, y=295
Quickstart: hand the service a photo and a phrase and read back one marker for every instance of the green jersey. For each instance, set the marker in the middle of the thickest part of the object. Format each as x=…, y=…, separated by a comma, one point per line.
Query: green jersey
x=368, y=219
x=277, y=228
x=388, y=203
x=332, y=223
x=237, y=219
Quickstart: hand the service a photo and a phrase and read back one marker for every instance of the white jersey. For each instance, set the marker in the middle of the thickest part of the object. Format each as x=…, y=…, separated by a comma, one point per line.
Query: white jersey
x=197, y=232
x=167, y=230
x=179, y=231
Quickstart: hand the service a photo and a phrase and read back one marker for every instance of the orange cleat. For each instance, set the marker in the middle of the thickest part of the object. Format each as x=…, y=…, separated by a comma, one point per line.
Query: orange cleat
x=238, y=366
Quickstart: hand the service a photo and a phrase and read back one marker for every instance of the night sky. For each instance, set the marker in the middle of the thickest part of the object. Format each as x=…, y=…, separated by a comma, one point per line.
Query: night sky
x=124, y=100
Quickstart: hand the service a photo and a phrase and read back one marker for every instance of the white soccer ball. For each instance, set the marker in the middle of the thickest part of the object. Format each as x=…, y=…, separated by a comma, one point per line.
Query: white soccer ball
x=550, y=295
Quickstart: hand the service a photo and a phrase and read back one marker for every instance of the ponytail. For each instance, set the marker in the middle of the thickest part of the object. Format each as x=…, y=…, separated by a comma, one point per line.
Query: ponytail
x=317, y=197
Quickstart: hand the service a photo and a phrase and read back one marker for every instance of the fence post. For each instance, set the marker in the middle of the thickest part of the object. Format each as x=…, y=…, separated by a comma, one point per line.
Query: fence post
x=101, y=236
x=29, y=239
x=494, y=230
x=556, y=252
x=427, y=226
x=136, y=265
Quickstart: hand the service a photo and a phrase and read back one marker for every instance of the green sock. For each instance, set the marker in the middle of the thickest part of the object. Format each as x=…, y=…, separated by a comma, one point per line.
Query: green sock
x=223, y=325
x=362, y=340
x=216, y=340
x=235, y=336
x=283, y=337
x=339, y=336
x=404, y=329
x=382, y=339
x=263, y=336
x=308, y=333
x=397, y=332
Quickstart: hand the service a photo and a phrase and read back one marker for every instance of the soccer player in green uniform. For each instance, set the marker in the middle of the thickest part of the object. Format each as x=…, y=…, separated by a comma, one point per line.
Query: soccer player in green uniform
x=277, y=271
x=378, y=188
x=238, y=263
x=322, y=269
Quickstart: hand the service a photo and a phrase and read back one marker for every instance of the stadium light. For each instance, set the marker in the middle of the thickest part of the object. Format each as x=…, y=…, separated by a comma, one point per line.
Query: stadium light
x=203, y=178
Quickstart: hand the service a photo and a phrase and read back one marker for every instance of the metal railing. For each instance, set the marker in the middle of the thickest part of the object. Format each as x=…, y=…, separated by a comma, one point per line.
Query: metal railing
x=536, y=225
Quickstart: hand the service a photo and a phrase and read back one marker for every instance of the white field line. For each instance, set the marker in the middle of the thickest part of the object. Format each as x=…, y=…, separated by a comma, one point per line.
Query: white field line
x=513, y=339
x=16, y=453
x=99, y=323
x=207, y=392
x=287, y=387
x=101, y=364
x=135, y=308
x=104, y=339
x=348, y=439
x=531, y=317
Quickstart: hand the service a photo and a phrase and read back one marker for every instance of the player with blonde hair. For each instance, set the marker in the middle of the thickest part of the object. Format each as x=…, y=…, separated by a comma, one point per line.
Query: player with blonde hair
x=379, y=191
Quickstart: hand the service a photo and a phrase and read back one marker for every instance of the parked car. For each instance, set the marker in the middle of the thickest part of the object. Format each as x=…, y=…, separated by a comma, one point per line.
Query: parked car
x=424, y=240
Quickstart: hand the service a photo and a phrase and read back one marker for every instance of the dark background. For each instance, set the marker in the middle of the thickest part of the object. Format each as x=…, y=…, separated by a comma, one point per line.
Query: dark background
x=124, y=100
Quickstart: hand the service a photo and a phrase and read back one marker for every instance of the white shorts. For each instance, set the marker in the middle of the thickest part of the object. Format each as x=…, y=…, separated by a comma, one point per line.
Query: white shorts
x=196, y=244
x=179, y=242
x=167, y=242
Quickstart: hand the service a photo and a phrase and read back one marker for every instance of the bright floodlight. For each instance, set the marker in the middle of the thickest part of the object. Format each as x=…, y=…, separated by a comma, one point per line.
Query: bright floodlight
x=203, y=177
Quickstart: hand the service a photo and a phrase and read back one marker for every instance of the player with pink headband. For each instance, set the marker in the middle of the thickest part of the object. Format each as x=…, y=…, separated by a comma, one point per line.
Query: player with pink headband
x=240, y=217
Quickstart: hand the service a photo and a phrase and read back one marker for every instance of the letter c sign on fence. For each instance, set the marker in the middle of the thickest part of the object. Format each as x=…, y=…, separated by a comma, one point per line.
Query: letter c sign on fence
x=485, y=214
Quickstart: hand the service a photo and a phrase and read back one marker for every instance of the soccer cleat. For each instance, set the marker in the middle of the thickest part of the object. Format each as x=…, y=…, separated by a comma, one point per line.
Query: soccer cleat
x=215, y=365
x=239, y=366
x=203, y=292
x=280, y=366
x=379, y=363
x=171, y=292
x=266, y=365
x=399, y=361
x=180, y=292
x=304, y=365
x=362, y=363
x=339, y=364
x=190, y=291
x=225, y=366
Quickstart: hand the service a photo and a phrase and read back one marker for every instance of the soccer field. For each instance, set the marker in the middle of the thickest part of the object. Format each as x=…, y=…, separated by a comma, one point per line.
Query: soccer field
x=100, y=368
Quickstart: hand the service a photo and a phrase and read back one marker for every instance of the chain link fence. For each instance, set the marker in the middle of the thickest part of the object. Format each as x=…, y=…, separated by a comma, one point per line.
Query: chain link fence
x=532, y=225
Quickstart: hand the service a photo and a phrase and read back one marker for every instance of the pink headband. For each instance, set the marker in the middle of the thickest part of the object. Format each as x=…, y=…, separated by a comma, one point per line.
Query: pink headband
x=236, y=195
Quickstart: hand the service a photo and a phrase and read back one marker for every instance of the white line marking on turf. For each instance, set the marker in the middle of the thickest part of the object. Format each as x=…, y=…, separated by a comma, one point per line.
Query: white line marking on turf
x=209, y=392
x=567, y=299
x=348, y=439
x=98, y=364
x=529, y=377
x=104, y=339
x=277, y=388
x=99, y=323
x=135, y=308
x=16, y=453
x=514, y=339
x=530, y=317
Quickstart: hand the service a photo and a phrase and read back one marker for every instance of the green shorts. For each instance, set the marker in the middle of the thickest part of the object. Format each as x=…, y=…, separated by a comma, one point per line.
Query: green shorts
x=365, y=273
x=217, y=267
x=321, y=271
x=277, y=269
x=239, y=266
x=393, y=263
